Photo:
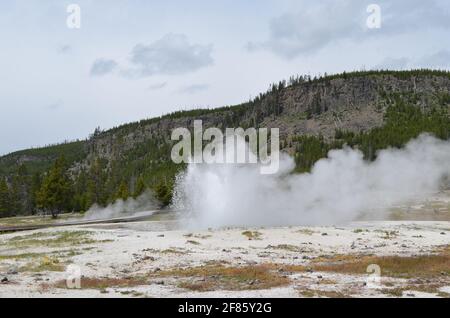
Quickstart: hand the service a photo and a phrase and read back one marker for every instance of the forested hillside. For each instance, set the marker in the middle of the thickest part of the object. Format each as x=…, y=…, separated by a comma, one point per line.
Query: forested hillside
x=367, y=110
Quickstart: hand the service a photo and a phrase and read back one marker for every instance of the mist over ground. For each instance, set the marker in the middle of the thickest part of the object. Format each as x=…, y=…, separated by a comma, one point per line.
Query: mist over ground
x=339, y=189
x=120, y=208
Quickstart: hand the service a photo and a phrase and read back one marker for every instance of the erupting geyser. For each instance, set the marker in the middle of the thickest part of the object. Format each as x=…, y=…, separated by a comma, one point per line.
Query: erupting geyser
x=339, y=189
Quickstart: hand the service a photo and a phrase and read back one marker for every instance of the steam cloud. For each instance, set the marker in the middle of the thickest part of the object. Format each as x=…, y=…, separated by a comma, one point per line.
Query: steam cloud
x=120, y=208
x=339, y=189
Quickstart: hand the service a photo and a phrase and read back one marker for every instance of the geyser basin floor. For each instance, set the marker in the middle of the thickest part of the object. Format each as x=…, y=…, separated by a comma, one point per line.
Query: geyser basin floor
x=414, y=257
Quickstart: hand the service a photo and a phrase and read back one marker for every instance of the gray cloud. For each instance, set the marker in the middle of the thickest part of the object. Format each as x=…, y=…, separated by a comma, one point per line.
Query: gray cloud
x=193, y=89
x=102, y=67
x=391, y=63
x=157, y=86
x=322, y=23
x=55, y=105
x=438, y=60
x=64, y=49
x=319, y=24
x=170, y=55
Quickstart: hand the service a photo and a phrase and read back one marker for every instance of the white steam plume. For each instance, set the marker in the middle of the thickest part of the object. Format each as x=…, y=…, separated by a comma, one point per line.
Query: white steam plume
x=120, y=208
x=339, y=189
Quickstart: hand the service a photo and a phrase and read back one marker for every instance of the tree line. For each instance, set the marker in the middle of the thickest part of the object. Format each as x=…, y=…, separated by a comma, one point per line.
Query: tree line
x=58, y=190
x=403, y=121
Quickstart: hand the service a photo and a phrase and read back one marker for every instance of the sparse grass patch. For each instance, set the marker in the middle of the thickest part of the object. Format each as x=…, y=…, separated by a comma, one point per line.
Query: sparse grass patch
x=389, y=235
x=443, y=294
x=252, y=235
x=45, y=264
x=307, y=293
x=337, y=258
x=52, y=239
x=311, y=293
x=38, y=220
x=306, y=231
x=198, y=236
x=132, y=293
x=216, y=262
x=106, y=282
x=68, y=253
x=220, y=277
x=199, y=286
x=444, y=250
x=327, y=282
x=285, y=247
x=431, y=288
x=422, y=266
x=20, y=256
x=292, y=268
x=37, y=235
x=392, y=266
x=173, y=251
x=40, y=262
x=396, y=292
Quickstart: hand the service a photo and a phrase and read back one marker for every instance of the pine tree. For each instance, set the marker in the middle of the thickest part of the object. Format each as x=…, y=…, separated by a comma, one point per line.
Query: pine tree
x=55, y=194
x=35, y=186
x=4, y=199
x=140, y=187
x=24, y=181
x=16, y=204
x=123, y=192
x=81, y=193
x=163, y=193
x=96, y=184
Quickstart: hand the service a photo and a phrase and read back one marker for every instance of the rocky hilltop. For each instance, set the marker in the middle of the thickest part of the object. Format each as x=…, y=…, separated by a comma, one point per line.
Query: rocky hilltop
x=318, y=107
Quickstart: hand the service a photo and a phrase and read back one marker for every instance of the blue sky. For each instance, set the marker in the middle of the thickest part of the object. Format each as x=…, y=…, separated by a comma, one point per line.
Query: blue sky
x=138, y=59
